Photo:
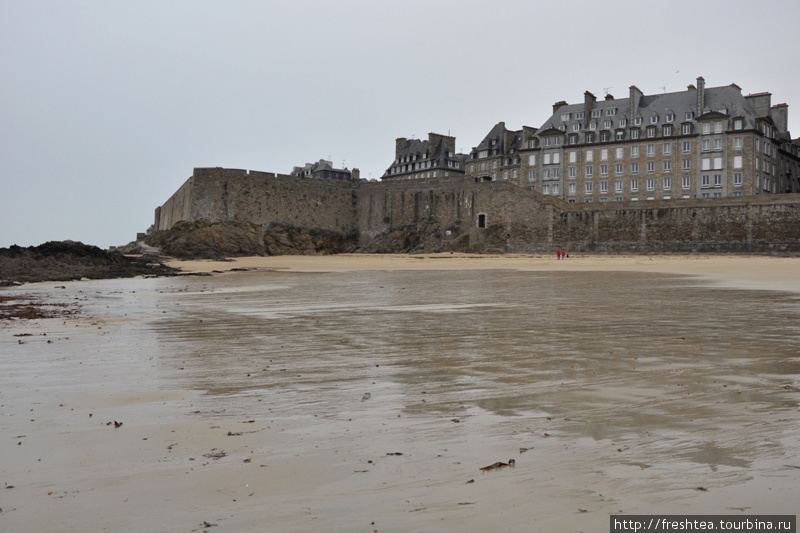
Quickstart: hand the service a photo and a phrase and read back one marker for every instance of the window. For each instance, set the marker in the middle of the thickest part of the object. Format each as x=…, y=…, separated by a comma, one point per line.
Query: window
x=556, y=158
x=623, y=123
x=706, y=128
x=717, y=163
x=651, y=184
x=686, y=129
x=717, y=145
x=686, y=182
x=576, y=127
x=634, y=134
x=686, y=147
x=737, y=143
x=654, y=119
x=556, y=190
x=546, y=174
x=546, y=159
x=666, y=130
x=651, y=150
x=635, y=185
x=666, y=183
x=571, y=189
x=618, y=186
x=589, y=155
x=573, y=156
x=604, y=154
x=666, y=149
x=706, y=195
x=607, y=124
x=589, y=200
x=494, y=163
x=737, y=124
x=505, y=174
x=596, y=113
x=545, y=189
x=706, y=145
x=603, y=170
x=651, y=167
x=634, y=168
x=589, y=187
x=718, y=127
x=737, y=179
x=620, y=135
x=572, y=172
x=619, y=153
x=688, y=116
x=590, y=137
x=705, y=163
x=611, y=111
x=717, y=180
x=589, y=171
x=651, y=132
x=603, y=187
x=515, y=174
x=565, y=117
x=666, y=165
x=634, y=151
x=579, y=115
x=669, y=117
x=556, y=173
x=618, y=169
x=531, y=175
x=532, y=159
x=705, y=181
x=687, y=164
x=604, y=136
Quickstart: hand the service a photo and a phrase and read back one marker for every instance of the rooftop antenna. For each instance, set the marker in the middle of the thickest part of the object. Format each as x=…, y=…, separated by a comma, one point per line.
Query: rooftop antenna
x=606, y=89
x=663, y=89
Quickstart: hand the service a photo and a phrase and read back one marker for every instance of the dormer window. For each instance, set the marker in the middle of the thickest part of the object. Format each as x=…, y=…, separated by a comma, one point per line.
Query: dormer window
x=637, y=121
x=593, y=125
x=623, y=123
x=565, y=117
x=596, y=113
x=689, y=115
x=607, y=124
x=654, y=119
x=669, y=117
x=611, y=111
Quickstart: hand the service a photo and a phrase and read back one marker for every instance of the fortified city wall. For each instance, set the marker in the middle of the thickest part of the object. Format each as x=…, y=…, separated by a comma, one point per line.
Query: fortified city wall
x=452, y=211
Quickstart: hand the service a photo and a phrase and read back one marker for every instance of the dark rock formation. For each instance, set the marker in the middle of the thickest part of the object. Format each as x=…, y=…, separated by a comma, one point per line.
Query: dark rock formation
x=201, y=240
x=280, y=239
x=68, y=260
x=424, y=236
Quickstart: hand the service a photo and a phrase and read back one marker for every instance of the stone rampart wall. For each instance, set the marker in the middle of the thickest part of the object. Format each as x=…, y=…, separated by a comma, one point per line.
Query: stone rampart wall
x=261, y=198
x=516, y=219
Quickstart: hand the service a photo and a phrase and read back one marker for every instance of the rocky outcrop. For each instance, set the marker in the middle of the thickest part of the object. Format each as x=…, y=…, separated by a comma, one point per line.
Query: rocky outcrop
x=280, y=239
x=68, y=260
x=201, y=240
x=424, y=236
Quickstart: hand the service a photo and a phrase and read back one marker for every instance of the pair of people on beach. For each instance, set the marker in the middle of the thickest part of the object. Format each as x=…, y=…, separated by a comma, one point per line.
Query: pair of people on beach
x=561, y=253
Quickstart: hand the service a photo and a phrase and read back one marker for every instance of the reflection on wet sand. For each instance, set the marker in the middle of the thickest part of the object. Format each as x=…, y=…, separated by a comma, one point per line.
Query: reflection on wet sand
x=373, y=400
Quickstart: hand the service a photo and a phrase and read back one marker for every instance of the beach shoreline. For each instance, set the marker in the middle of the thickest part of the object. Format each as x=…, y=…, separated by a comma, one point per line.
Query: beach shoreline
x=111, y=423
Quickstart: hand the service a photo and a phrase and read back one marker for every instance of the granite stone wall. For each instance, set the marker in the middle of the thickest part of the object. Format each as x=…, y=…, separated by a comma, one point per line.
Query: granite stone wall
x=514, y=219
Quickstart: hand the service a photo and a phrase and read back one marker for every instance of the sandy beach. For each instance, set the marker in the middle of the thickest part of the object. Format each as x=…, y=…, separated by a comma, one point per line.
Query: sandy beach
x=365, y=393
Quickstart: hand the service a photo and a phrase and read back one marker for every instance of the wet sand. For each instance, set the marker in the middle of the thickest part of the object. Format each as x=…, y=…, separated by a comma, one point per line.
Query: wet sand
x=364, y=393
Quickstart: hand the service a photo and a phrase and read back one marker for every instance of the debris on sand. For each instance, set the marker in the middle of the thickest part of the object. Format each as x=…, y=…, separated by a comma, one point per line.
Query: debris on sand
x=511, y=462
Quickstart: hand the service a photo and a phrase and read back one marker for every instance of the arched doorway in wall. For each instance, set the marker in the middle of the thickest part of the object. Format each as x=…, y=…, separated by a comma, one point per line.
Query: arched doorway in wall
x=481, y=220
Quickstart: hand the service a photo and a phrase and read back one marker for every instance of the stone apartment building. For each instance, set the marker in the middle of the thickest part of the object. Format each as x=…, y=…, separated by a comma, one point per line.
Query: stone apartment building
x=497, y=155
x=324, y=170
x=434, y=158
x=699, y=143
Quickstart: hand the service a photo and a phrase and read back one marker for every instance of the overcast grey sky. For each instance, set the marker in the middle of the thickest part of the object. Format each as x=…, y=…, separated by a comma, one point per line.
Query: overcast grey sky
x=107, y=106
